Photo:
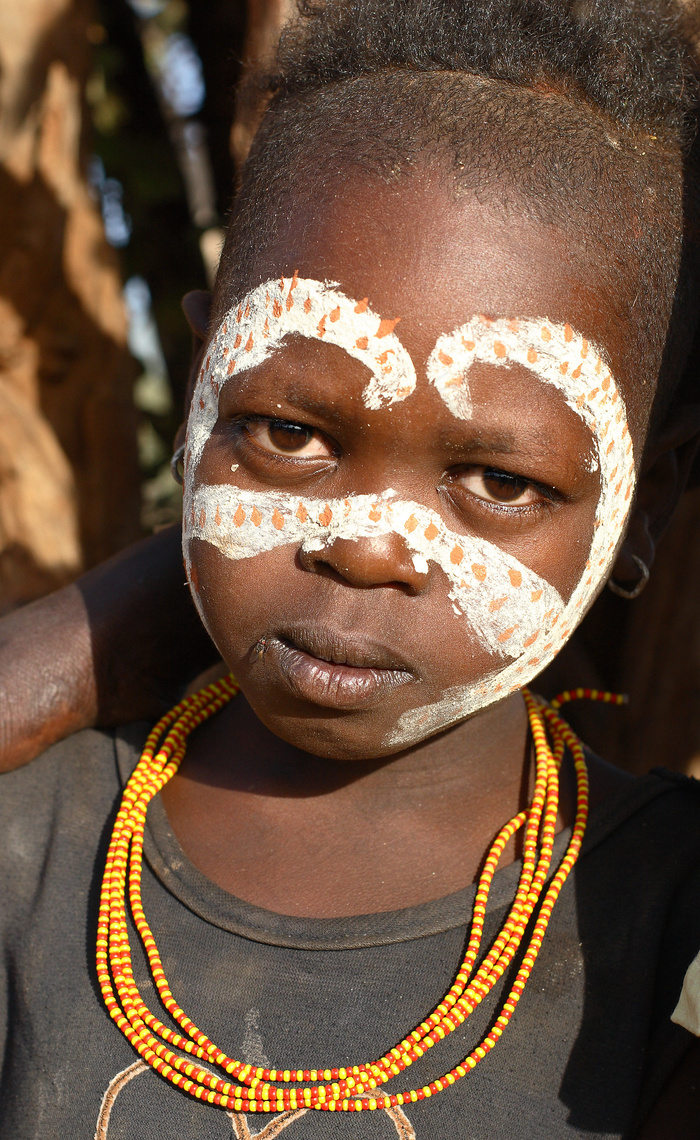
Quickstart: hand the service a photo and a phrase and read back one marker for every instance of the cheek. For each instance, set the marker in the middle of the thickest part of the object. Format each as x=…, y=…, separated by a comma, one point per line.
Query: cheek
x=559, y=551
x=237, y=597
x=214, y=466
x=486, y=620
x=244, y=561
x=244, y=600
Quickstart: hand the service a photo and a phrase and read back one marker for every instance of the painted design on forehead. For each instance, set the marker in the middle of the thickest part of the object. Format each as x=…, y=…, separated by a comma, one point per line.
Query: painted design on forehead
x=509, y=607
x=297, y=306
x=518, y=616
x=559, y=356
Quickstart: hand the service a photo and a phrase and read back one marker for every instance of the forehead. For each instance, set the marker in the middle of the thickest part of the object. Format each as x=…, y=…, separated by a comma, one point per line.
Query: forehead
x=432, y=260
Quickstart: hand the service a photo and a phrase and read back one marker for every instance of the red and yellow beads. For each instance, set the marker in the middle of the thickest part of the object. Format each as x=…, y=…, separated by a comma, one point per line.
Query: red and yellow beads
x=175, y=1052
x=587, y=695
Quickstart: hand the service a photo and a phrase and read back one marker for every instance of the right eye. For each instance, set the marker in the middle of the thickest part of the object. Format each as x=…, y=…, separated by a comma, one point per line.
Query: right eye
x=283, y=437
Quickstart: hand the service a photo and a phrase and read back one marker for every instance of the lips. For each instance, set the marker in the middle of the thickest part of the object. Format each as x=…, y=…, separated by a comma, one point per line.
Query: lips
x=332, y=669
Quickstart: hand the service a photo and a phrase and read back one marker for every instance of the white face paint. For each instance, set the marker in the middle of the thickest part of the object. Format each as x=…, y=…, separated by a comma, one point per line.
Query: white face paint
x=514, y=613
x=507, y=605
x=252, y=330
x=560, y=357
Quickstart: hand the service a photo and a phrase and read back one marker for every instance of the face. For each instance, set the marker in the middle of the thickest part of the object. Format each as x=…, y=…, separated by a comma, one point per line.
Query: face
x=408, y=466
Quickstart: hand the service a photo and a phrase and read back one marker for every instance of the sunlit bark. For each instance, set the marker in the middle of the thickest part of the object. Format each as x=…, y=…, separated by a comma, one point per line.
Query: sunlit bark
x=68, y=470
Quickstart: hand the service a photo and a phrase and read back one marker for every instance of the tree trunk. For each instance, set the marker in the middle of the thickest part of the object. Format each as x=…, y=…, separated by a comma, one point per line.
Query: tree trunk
x=69, y=482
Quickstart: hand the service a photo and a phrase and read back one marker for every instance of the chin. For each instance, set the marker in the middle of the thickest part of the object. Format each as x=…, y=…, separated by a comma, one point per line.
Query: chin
x=332, y=735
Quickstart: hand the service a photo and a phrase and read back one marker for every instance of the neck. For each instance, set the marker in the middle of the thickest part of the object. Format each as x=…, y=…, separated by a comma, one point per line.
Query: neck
x=317, y=837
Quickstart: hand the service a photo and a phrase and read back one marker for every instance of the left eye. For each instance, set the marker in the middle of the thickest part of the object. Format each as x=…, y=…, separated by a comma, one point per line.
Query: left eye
x=499, y=486
x=281, y=437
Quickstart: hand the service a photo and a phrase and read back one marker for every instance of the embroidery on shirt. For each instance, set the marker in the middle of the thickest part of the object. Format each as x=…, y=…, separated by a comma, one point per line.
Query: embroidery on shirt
x=253, y=1047
x=114, y=1087
x=239, y=1120
x=241, y=1130
x=404, y=1128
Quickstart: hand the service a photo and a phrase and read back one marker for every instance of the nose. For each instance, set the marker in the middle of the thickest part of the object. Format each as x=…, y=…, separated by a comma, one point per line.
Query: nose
x=380, y=560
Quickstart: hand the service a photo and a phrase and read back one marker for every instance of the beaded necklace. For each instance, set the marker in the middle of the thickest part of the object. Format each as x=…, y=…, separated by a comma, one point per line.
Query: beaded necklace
x=352, y=1088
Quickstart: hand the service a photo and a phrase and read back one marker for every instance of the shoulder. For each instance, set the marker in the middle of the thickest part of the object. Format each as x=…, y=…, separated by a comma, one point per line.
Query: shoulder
x=80, y=770
x=55, y=809
x=670, y=828
x=661, y=808
x=638, y=881
x=668, y=819
x=643, y=849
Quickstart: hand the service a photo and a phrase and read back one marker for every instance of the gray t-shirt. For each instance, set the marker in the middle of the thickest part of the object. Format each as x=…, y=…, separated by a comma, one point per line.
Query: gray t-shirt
x=591, y=1035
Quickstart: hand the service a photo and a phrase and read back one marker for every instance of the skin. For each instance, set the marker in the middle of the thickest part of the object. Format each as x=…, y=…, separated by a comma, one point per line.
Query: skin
x=517, y=615
x=366, y=801
x=71, y=661
x=441, y=261
x=118, y=645
x=383, y=834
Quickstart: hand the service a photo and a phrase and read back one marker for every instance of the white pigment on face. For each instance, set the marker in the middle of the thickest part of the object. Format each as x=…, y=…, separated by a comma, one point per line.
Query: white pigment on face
x=290, y=306
x=563, y=358
x=514, y=613
x=508, y=605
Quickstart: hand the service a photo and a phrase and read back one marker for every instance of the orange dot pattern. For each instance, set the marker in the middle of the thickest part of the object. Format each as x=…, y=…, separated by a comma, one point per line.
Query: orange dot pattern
x=301, y=307
x=558, y=355
x=508, y=606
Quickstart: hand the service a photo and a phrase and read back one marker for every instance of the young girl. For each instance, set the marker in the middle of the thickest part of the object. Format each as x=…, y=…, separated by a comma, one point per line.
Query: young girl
x=437, y=408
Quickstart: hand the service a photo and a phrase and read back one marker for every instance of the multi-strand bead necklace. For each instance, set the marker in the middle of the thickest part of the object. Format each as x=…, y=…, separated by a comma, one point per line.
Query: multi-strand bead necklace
x=175, y=1053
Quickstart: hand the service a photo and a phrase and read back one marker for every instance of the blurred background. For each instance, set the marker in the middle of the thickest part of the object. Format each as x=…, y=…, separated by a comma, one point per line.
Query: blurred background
x=117, y=148
x=119, y=143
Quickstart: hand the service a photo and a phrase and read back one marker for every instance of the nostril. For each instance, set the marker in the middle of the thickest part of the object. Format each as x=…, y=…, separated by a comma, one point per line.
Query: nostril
x=369, y=562
x=337, y=573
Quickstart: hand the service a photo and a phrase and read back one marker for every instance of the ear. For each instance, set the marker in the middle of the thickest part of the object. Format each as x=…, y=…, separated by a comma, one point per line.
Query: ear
x=666, y=467
x=196, y=306
x=197, y=309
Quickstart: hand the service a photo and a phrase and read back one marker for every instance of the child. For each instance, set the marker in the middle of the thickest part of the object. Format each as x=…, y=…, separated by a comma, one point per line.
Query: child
x=439, y=402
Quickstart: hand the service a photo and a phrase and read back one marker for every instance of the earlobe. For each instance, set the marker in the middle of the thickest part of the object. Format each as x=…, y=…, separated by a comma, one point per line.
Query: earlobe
x=666, y=466
x=637, y=551
x=629, y=593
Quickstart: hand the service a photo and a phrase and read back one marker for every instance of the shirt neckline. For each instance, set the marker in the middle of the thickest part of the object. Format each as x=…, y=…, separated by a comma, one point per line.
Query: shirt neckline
x=172, y=867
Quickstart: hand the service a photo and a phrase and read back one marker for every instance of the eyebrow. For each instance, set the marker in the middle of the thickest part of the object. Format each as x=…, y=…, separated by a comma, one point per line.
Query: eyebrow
x=530, y=441
x=321, y=407
x=502, y=442
x=296, y=396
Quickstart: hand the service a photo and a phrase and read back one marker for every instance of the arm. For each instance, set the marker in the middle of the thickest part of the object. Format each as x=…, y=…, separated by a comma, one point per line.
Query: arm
x=117, y=645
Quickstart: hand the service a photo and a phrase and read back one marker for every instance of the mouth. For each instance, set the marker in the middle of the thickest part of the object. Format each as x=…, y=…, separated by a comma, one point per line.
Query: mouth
x=331, y=669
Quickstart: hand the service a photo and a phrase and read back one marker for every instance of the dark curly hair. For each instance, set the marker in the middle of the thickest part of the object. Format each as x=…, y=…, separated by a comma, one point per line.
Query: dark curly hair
x=584, y=112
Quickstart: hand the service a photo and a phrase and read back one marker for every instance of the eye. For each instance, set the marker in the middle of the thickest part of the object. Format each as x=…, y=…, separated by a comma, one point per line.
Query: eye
x=499, y=486
x=281, y=437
